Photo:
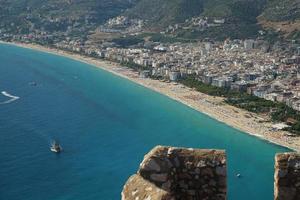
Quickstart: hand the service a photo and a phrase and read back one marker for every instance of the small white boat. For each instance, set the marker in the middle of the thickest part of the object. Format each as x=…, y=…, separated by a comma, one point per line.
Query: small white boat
x=238, y=175
x=55, y=147
x=33, y=83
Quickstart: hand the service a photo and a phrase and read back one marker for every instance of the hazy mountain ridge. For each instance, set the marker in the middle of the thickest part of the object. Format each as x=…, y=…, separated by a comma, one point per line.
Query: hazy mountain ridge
x=58, y=14
x=279, y=10
x=164, y=12
x=240, y=16
x=161, y=13
x=24, y=16
x=243, y=17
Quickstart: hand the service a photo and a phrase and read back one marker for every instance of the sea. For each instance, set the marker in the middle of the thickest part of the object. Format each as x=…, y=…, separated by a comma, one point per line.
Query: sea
x=105, y=124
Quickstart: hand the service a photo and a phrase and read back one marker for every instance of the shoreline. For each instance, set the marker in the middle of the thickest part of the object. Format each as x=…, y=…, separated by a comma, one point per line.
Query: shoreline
x=213, y=107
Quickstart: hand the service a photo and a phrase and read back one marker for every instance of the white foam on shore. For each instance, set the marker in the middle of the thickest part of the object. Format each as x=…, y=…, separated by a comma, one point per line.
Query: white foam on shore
x=12, y=97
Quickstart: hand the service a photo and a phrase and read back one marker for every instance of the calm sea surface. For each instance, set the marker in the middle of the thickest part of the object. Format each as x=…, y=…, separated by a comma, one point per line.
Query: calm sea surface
x=105, y=125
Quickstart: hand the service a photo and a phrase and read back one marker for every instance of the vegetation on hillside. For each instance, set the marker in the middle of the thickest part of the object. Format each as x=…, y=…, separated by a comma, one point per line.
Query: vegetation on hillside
x=158, y=37
x=25, y=16
x=240, y=16
x=220, y=33
x=58, y=15
x=127, y=41
x=161, y=13
x=282, y=10
x=247, y=10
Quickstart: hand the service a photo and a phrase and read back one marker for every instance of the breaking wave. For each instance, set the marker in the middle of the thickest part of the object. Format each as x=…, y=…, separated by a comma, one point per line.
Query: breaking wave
x=12, y=97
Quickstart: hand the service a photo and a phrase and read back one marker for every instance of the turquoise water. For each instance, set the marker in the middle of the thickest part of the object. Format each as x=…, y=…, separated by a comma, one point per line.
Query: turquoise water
x=105, y=124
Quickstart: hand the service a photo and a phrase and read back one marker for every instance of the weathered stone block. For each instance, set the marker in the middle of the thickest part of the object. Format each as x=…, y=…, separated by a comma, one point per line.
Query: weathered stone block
x=179, y=173
x=137, y=188
x=287, y=176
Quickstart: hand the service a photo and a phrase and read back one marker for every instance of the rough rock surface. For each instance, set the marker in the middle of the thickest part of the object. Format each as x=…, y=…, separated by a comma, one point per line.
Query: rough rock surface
x=287, y=176
x=169, y=173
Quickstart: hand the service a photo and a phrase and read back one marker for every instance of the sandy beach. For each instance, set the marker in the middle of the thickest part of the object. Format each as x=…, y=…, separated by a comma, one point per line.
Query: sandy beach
x=214, y=107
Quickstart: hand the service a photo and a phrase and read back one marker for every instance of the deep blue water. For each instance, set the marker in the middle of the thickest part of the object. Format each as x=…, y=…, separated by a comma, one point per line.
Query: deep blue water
x=105, y=124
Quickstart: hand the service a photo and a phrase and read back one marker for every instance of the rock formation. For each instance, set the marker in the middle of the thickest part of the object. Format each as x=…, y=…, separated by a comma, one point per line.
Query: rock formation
x=169, y=173
x=287, y=176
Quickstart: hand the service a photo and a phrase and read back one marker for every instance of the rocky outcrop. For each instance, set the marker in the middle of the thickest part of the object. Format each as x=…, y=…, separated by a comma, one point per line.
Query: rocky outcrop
x=169, y=173
x=287, y=176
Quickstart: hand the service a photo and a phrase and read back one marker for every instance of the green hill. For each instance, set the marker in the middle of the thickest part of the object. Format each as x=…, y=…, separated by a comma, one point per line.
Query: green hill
x=52, y=15
x=247, y=10
x=165, y=12
x=244, y=18
x=161, y=13
x=241, y=16
x=282, y=17
x=282, y=10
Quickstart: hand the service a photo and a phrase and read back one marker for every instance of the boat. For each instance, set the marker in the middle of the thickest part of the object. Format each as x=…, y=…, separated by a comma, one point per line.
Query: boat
x=238, y=175
x=33, y=83
x=55, y=147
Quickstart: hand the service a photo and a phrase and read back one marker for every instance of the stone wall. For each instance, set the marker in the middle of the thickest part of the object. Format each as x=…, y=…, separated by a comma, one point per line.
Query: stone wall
x=169, y=173
x=287, y=176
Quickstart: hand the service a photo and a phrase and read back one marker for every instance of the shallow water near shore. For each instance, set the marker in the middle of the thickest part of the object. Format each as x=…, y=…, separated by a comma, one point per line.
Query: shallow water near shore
x=105, y=124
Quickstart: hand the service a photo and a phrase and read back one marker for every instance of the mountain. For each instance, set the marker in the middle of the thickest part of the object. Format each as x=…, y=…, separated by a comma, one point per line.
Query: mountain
x=165, y=12
x=243, y=10
x=283, y=17
x=161, y=13
x=53, y=15
x=243, y=18
x=279, y=10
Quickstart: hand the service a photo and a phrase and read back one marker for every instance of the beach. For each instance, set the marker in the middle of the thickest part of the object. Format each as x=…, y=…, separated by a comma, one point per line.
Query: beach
x=214, y=107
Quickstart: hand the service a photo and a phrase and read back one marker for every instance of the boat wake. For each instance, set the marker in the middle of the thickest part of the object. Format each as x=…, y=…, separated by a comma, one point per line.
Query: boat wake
x=12, y=98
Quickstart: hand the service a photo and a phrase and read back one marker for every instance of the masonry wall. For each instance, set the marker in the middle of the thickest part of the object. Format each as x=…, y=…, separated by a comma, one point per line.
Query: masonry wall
x=169, y=173
x=287, y=176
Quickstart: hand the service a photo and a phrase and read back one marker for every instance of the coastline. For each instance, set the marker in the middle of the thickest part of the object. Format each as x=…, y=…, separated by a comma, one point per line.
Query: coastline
x=214, y=107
